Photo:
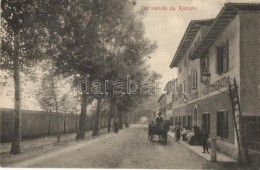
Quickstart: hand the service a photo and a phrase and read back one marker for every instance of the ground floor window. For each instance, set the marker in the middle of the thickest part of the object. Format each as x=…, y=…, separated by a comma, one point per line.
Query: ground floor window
x=176, y=121
x=189, y=123
x=222, y=124
x=184, y=121
x=206, y=122
x=171, y=121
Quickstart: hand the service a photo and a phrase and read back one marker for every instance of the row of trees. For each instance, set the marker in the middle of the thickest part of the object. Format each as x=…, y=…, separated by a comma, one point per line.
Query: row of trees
x=75, y=40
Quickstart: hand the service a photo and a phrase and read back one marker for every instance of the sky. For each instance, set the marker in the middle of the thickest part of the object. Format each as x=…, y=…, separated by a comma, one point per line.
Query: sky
x=167, y=27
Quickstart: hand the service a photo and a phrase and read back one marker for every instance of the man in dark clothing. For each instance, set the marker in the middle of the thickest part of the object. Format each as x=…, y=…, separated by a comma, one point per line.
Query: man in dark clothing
x=178, y=132
x=205, y=137
x=159, y=119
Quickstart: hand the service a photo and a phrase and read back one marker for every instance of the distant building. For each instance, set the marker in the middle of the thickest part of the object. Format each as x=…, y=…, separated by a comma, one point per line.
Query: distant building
x=162, y=105
x=227, y=46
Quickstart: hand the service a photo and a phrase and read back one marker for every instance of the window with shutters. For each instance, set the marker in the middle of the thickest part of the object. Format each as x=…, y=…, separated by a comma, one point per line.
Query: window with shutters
x=189, y=84
x=176, y=121
x=179, y=67
x=184, y=87
x=222, y=124
x=184, y=122
x=185, y=62
x=204, y=64
x=169, y=106
x=222, y=58
x=180, y=90
x=189, y=122
x=194, y=78
x=171, y=121
x=206, y=122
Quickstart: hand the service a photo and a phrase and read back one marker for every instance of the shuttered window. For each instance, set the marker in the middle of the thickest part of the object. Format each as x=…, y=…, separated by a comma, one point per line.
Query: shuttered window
x=184, y=86
x=189, y=84
x=222, y=124
x=206, y=122
x=222, y=58
x=180, y=90
x=184, y=122
x=204, y=64
x=194, y=79
x=189, y=122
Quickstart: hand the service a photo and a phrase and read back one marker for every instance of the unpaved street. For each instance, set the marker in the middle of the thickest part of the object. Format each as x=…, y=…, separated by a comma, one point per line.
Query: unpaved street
x=129, y=149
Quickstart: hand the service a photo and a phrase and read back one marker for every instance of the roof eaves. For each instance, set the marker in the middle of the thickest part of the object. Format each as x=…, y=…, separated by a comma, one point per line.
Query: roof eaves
x=232, y=9
x=197, y=25
x=179, y=47
x=210, y=41
x=160, y=97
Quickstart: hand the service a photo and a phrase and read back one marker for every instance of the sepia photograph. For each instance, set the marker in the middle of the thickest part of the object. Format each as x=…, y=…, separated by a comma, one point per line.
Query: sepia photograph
x=130, y=84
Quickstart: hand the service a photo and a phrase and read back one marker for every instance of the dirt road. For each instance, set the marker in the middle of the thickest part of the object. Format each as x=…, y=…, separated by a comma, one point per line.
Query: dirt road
x=128, y=149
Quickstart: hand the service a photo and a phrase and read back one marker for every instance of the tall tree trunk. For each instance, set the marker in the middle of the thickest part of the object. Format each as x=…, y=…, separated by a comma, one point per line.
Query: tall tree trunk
x=57, y=111
x=82, y=118
x=76, y=124
x=109, y=122
x=49, y=127
x=97, y=118
x=58, y=124
x=64, y=124
x=120, y=123
x=115, y=117
x=110, y=114
x=131, y=118
x=16, y=138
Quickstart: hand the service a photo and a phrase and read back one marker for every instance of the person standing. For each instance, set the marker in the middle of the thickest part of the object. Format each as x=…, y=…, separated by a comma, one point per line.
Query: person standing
x=178, y=133
x=205, y=137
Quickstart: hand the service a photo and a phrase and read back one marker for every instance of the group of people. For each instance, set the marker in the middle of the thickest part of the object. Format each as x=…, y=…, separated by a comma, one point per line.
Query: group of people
x=203, y=135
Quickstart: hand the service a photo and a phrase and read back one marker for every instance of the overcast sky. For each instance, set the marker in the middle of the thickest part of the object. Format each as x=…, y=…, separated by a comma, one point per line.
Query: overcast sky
x=168, y=27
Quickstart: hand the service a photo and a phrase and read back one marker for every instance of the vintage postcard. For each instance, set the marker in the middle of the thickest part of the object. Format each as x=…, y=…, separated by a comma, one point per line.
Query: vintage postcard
x=130, y=84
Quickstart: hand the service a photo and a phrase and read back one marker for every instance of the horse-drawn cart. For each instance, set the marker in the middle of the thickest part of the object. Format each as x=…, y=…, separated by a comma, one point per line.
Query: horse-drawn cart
x=160, y=131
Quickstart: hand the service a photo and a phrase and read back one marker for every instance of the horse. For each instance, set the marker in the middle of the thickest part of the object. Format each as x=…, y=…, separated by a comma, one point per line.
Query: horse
x=163, y=130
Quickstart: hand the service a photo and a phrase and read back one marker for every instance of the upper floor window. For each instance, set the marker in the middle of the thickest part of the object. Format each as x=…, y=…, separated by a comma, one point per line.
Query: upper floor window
x=185, y=62
x=189, y=84
x=222, y=58
x=184, y=86
x=169, y=106
x=204, y=62
x=179, y=67
x=194, y=78
x=180, y=90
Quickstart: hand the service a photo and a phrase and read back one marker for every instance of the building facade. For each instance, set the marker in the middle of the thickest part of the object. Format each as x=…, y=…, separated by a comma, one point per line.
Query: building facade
x=165, y=101
x=227, y=46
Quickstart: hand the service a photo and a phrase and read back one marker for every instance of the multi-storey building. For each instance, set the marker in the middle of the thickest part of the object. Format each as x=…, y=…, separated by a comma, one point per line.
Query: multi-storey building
x=227, y=46
x=165, y=101
x=162, y=104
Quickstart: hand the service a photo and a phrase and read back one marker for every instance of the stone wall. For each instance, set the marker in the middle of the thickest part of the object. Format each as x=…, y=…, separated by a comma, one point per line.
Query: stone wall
x=37, y=123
